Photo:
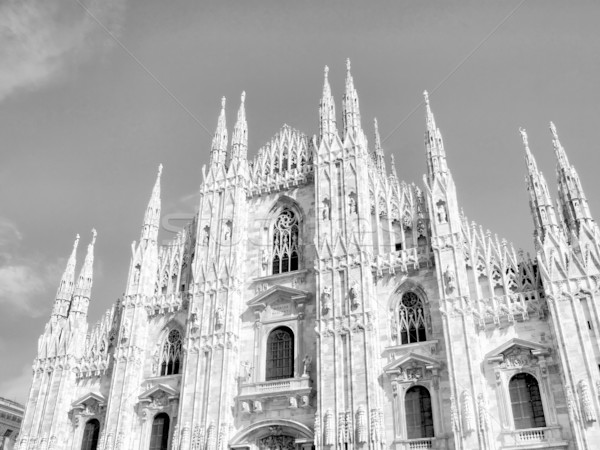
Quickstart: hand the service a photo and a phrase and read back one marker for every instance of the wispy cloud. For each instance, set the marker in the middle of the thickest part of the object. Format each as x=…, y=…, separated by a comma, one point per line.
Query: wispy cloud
x=41, y=39
x=24, y=279
x=17, y=388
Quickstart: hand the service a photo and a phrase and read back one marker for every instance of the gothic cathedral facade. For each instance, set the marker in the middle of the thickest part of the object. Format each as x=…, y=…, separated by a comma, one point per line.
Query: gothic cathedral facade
x=318, y=302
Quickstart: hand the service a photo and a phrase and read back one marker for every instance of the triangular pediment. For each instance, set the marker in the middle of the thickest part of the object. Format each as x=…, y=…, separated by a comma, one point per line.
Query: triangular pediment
x=276, y=293
x=92, y=397
x=158, y=391
x=411, y=360
x=499, y=352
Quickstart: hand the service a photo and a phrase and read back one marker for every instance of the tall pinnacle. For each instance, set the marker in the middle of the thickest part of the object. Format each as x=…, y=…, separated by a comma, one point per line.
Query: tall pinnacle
x=351, y=110
x=152, y=216
x=83, y=287
x=327, y=121
x=239, y=140
x=571, y=197
x=379, y=155
x=434, y=145
x=67, y=284
x=540, y=202
x=219, y=142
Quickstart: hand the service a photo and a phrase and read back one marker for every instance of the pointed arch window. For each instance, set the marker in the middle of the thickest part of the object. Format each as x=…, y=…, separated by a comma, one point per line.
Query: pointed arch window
x=280, y=354
x=90, y=435
x=171, y=356
x=526, y=402
x=419, y=416
x=286, y=253
x=159, y=437
x=411, y=319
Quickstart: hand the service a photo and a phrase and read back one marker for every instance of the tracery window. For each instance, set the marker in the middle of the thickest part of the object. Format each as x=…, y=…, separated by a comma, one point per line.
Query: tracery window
x=411, y=319
x=526, y=402
x=285, y=242
x=170, y=361
x=280, y=354
x=419, y=416
x=90, y=435
x=159, y=437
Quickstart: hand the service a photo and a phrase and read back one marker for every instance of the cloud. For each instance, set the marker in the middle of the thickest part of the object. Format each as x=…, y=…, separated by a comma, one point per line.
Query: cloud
x=17, y=388
x=41, y=39
x=24, y=279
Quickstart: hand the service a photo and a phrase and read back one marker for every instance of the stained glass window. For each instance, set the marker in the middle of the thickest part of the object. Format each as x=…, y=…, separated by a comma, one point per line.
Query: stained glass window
x=171, y=354
x=411, y=319
x=286, y=253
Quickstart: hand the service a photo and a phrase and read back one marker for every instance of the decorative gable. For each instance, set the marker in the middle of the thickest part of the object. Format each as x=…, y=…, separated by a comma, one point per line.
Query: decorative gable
x=279, y=302
x=158, y=396
x=517, y=353
x=88, y=406
x=412, y=368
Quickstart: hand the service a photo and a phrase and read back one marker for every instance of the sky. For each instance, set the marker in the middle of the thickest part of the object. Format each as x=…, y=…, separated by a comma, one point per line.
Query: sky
x=94, y=94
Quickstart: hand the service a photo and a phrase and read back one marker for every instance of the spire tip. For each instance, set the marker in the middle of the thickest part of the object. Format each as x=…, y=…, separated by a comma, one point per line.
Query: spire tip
x=326, y=71
x=243, y=97
x=348, y=65
x=160, y=168
x=524, y=137
x=223, y=102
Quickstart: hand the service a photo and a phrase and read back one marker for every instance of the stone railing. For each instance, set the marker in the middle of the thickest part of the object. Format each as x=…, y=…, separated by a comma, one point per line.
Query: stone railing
x=532, y=435
x=518, y=306
x=274, y=387
x=542, y=437
x=165, y=303
x=418, y=444
x=402, y=260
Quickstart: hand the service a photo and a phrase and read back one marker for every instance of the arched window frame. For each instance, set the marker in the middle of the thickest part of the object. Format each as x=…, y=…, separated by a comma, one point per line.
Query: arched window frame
x=284, y=204
x=268, y=354
x=426, y=435
x=263, y=332
x=540, y=418
x=169, y=433
x=504, y=367
x=397, y=308
x=159, y=357
x=96, y=435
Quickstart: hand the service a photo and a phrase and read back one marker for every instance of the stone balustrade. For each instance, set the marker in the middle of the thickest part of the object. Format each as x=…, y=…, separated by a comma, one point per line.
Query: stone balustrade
x=274, y=387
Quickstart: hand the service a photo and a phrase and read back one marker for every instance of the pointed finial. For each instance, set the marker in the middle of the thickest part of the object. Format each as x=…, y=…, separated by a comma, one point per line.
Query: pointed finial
x=553, y=130
x=326, y=71
x=243, y=96
x=375, y=125
x=426, y=97
x=524, y=137
x=348, y=64
x=76, y=243
x=223, y=100
x=94, y=234
x=160, y=168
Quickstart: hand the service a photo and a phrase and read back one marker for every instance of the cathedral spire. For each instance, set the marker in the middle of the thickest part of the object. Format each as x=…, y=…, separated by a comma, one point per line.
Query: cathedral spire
x=571, y=198
x=379, y=155
x=327, y=125
x=540, y=202
x=67, y=285
x=351, y=110
x=152, y=216
x=219, y=142
x=436, y=155
x=83, y=287
x=239, y=139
